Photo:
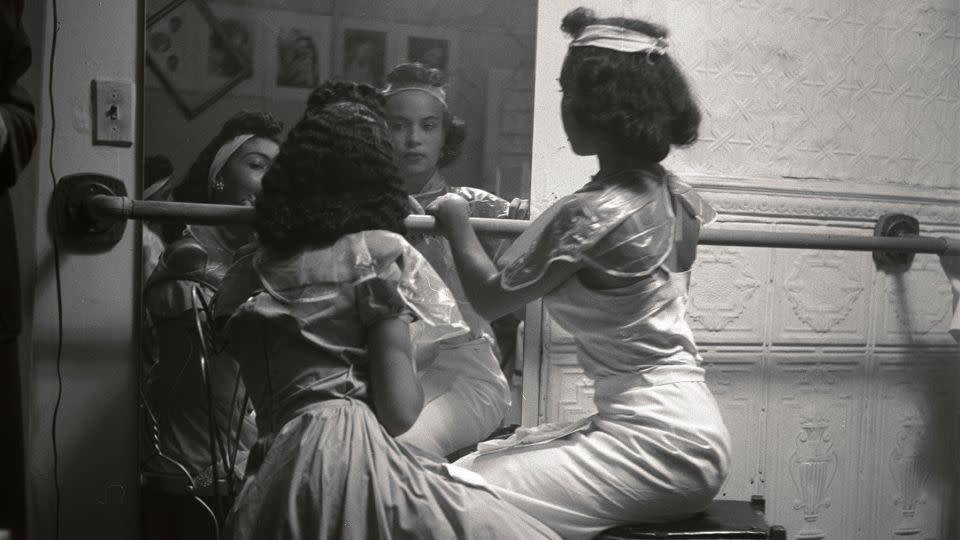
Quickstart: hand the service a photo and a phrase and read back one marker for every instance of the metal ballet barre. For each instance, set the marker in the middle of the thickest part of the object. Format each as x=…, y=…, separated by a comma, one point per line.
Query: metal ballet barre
x=106, y=207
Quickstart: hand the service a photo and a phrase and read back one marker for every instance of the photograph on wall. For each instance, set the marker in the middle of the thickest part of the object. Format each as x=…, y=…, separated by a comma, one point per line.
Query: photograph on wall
x=178, y=38
x=431, y=52
x=241, y=32
x=298, y=60
x=230, y=52
x=297, y=53
x=364, y=56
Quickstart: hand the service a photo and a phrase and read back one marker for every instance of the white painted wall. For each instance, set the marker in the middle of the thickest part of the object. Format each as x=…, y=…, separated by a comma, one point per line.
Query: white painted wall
x=96, y=423
x=820, y=115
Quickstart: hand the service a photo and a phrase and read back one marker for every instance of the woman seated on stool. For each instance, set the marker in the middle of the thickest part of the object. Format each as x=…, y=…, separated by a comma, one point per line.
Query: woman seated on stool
x=612, y=263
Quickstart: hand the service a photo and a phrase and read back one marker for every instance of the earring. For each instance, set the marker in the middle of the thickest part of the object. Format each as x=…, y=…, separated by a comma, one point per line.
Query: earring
x=218, y=184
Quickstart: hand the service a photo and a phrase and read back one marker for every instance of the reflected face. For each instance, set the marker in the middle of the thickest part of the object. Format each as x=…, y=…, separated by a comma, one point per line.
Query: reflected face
x=416, y=129
x=244, y=171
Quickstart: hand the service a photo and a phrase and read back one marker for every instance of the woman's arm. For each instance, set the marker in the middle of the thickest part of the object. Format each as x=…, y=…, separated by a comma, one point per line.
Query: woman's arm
x=395, y=388
x=479, y=275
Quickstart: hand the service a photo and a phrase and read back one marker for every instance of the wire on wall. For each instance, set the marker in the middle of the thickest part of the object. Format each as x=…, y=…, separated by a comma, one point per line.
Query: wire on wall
x=56, y=265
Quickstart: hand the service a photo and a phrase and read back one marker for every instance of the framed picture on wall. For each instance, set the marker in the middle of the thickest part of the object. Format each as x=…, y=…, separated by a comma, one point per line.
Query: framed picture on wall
x=431, y=52
x=364, y=56
x=365, y=51
x=432, y=46
x=192, y=57
x=241, y=31
x=298, y=53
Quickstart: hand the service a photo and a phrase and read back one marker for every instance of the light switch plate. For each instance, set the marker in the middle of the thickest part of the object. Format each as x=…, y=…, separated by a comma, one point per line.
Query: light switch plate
x=113, y=112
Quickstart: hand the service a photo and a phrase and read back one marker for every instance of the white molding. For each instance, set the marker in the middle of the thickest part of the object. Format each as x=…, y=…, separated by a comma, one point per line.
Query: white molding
x=773, y=197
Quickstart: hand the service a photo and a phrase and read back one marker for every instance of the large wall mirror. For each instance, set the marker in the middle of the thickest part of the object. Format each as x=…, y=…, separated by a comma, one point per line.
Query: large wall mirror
x=206, y=61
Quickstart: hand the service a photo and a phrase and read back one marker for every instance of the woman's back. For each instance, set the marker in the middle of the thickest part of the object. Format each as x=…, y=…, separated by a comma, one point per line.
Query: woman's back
x=626, y=307
x=324, y=466
x=296, y=321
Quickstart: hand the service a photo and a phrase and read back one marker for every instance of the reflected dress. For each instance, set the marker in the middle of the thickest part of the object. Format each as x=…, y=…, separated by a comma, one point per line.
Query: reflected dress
x=465, y=390
x=657, y=447
x=323, y=466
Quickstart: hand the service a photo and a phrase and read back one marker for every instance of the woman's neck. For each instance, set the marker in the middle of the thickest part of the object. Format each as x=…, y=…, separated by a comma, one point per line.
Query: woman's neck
x=614, y=162
x=414, y=184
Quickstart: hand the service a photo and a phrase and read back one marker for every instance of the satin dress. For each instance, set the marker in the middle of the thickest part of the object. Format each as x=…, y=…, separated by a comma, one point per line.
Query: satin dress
x=323, y=466
x=657, y=448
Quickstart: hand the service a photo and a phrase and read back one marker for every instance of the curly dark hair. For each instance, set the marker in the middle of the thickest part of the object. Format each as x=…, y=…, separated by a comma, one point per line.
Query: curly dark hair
x=642, y=101
x=335, y=173
x=454, y=129
x=193, y=187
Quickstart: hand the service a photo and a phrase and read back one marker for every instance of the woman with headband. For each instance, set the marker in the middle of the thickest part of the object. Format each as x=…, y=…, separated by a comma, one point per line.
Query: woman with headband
x=611, y=262
x=227, y=171
x=466, y=392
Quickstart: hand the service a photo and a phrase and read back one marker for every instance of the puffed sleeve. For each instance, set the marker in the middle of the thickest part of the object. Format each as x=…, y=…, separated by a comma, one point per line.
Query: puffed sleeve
x=621, y=230
x=395, y=280
x=378, y=299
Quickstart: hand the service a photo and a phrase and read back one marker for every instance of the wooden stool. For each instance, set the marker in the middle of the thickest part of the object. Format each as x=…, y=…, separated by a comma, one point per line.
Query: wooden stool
x=722, y=520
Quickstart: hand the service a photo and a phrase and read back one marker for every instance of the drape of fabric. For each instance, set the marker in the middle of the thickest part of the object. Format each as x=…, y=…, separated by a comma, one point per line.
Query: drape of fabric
x=323, y=466
x=657, y=447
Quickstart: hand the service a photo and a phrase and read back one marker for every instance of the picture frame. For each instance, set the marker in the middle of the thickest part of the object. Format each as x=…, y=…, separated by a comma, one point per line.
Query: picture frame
x=430, y=45
x=366, y=50
x=178, y=49
x=433, y=46
x=298, y=46
x=243, y=30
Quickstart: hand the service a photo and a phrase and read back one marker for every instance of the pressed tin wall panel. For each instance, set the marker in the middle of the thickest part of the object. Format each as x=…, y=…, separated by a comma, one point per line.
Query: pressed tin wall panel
x=912, y=305
x=837, y=381
x=914, y=466
x=820, y=296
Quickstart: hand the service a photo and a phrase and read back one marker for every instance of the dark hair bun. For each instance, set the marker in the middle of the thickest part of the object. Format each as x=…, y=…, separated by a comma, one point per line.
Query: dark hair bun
x=638, y=99
x=578, y=19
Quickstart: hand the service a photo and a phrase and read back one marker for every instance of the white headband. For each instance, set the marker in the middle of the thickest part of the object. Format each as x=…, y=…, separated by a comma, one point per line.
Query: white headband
x=439, y=93
x=223, y=155
x=620, y=39
x=156, y=187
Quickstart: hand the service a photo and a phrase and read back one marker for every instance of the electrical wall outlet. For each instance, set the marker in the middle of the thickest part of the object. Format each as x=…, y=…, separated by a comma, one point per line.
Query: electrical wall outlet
x=113, y=112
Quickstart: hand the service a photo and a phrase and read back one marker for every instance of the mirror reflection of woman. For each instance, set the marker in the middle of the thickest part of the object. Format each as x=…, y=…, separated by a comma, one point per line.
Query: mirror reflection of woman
x=466, y=392
x=227, y=171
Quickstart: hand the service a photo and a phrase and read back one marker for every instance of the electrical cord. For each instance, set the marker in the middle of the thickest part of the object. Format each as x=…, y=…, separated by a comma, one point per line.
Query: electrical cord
x=56, y=264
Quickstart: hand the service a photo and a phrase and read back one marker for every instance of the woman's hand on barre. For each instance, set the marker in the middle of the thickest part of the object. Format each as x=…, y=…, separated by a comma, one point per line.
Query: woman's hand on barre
x=452, y=213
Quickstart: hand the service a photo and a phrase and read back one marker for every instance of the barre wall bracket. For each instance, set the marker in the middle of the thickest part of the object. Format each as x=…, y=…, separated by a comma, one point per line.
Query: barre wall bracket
x=897, y=226
x=77, y=226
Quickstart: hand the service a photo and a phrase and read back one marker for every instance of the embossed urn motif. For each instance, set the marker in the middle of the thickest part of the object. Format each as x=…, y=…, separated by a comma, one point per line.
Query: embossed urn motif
x=909, y=468
x=813, y=466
